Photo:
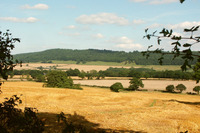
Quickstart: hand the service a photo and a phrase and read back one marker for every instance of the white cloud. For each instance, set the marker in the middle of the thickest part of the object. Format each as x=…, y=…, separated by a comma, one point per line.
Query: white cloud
x=20, y=20
x=182, y=25
x=138, y=21
x=126, y=43
x=99, y=35
x=71, y=27
x=102, y=18
x=185, y=24
x=38, y=6
x=156, y=2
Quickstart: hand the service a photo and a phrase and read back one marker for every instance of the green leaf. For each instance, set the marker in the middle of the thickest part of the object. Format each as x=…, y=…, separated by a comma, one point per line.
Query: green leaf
x=182, y=1
x=187, y=45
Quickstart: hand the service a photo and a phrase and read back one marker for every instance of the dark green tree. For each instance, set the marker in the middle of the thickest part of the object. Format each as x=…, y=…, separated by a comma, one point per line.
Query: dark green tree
x=181, y=87
x=196, y=89
x=82, y=75
x=135, y=83
x=12, y=119
x=170, y=88
x=116, y=87
x=58, y=79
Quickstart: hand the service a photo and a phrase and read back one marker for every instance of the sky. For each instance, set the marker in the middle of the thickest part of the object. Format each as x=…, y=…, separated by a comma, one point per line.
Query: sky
x=94, y=24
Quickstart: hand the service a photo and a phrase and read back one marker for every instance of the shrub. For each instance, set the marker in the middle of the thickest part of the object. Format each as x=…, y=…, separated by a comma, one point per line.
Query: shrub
x=196, y=89
x=170, y=88
x=180, y=87
x=116, y=87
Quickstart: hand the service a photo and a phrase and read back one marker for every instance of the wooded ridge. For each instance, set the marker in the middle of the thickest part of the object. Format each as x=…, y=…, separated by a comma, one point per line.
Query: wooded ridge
x=83, y=56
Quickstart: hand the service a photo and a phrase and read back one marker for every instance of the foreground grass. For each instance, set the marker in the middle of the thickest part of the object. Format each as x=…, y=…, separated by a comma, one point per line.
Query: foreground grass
x=152, y=112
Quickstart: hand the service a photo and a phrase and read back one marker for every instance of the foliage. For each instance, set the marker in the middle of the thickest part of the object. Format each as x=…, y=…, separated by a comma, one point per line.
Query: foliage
x=135, y=83
x=13, y=120
x=116, y=87
x=6, y=59
x=73, y=72
x=82, y=75
x=76, y=124
x=170, y=88
x=181, y=87
x=196, y=89
x=117, y=72
x=91, y=55
x=40, y=78
x=182, y=47
x=58, y=79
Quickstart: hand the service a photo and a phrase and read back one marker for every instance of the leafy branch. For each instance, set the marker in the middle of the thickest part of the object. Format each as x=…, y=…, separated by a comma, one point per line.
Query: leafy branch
x=186, y=54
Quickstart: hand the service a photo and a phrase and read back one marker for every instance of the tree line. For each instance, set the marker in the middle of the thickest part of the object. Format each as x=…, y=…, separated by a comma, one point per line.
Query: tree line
x=83, y=56
x=39, y=75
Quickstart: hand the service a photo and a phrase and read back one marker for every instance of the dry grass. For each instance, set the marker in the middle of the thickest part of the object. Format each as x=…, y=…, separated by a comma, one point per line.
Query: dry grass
x=151, y=112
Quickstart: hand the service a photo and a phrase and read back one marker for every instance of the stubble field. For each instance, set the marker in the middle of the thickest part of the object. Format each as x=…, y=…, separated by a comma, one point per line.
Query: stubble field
x=152, y=112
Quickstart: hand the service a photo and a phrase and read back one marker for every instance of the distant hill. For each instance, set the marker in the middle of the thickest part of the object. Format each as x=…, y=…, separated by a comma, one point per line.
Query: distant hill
x=95, y=55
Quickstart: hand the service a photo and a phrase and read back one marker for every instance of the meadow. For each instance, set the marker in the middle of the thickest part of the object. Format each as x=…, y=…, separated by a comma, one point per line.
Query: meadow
x=152, y=112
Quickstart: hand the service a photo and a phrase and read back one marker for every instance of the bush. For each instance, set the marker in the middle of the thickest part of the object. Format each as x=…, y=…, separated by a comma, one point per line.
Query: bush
x=180, y=87
x=116, y=87
x=170, y=88
x=196, y=89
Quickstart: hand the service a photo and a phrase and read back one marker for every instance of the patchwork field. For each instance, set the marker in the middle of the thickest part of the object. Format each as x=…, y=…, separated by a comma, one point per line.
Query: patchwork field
x=152, y=112
x=93, y=66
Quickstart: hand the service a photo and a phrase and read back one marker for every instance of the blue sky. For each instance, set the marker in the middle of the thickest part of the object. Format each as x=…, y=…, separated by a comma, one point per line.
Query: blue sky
x=97, y=24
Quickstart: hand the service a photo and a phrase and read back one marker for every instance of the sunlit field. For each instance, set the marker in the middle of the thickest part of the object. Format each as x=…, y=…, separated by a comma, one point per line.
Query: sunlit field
x=152, y=112
x=153, y=84
x=64, y=65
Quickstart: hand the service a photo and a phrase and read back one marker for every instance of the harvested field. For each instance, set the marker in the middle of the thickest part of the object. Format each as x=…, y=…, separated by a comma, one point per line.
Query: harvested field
x=152, y=112
x=148, y=84
x=33, y=66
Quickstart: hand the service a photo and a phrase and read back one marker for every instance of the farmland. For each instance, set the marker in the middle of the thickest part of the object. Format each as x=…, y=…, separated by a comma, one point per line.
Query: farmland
x=92, y=66
x=148, y=84
x=138, y=111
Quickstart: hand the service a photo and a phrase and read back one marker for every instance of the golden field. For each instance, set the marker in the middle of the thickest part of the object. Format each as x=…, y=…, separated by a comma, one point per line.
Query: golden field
x=92, y=66
x=151, y=112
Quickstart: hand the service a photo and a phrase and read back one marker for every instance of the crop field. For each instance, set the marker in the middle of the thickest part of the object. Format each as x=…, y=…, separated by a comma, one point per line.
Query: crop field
x=153, y=84
x=152, y=112
x=92, y=66
x=33, y=66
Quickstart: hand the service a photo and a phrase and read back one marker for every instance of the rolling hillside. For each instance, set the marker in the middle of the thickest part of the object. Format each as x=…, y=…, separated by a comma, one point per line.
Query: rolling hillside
x=82, y=56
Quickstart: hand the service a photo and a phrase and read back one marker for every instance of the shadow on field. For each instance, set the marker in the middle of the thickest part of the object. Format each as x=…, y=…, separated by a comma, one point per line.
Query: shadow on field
x=184, y=102
x=74, y=122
